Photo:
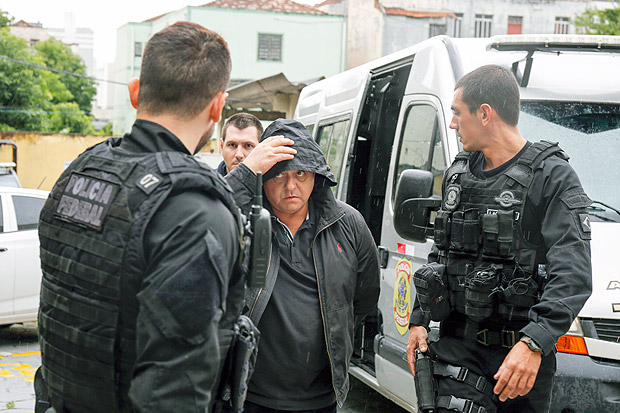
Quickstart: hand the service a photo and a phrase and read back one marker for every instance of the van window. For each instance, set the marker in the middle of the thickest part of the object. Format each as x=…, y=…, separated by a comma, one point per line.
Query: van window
x=420, y=146
x=332, y=139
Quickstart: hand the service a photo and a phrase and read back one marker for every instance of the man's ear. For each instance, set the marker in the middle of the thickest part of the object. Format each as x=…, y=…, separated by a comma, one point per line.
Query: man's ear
x=485, y=113
x=134, y=89
x=217, y=104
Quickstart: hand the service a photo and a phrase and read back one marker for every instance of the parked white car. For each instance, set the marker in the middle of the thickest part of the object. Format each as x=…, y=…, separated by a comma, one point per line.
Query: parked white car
x=20, y=268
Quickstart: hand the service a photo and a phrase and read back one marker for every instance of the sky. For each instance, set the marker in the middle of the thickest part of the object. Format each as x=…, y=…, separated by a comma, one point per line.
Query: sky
x=102, y=16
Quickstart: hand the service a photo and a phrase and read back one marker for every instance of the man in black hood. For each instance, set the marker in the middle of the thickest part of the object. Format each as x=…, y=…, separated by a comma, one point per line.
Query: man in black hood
x=323, y=279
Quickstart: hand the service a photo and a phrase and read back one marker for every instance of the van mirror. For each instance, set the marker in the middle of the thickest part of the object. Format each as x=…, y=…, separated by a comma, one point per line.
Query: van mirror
x=413, y=205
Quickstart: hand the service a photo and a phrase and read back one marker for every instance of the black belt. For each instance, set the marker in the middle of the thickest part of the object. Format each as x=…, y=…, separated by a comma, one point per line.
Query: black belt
x=461, y=405
x=464, y=375
x=487, y=337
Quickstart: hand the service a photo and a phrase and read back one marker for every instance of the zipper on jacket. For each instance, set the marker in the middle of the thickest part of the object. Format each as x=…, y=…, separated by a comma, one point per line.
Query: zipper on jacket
x=316, y=272
x=261, y=290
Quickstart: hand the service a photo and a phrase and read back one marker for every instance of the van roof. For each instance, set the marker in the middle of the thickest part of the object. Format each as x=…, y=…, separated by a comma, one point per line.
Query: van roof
x=551, y=68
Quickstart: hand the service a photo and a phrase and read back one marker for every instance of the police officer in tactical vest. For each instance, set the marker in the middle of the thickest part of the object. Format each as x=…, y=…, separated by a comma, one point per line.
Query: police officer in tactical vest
x=140, y=246
x=510, y=268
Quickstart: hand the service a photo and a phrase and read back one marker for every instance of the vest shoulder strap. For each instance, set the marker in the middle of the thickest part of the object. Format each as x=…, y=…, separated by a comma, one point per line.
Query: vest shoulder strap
x=539, y=151
x=459, y=166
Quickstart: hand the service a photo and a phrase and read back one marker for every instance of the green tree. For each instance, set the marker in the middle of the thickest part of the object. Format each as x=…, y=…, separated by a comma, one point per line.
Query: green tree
x=31, y=97
x=67, y=118
x=106, y=130
x=5, y=19
x=595, y=21
x=59, y=56
x=23, y=89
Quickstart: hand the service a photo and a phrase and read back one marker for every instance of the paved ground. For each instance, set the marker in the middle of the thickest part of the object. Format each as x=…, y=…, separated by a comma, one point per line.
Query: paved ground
x=20, y=357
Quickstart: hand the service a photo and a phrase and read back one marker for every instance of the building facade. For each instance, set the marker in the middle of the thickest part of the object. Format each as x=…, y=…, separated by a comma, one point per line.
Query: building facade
x=396, y=24
x=80, y=39
x=265, y=37
x=33, y=33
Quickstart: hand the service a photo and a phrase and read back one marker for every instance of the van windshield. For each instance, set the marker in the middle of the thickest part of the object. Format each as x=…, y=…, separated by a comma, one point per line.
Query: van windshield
x=589, y=133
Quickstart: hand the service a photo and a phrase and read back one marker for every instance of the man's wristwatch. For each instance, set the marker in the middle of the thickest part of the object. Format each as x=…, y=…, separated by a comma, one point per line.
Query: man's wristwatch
x=531, y=344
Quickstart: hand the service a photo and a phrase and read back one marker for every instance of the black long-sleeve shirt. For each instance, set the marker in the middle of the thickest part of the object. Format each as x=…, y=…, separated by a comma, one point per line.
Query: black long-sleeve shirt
x=191, y=248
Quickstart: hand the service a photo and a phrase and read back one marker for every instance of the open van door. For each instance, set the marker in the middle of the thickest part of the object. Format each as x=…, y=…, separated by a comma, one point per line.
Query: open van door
x=419, y=144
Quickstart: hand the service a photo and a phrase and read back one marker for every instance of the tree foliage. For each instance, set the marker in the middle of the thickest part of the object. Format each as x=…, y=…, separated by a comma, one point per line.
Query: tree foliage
x=23, y=89
x=596, y=21
x=59, y=56
x=39, y=100
x=5, y=19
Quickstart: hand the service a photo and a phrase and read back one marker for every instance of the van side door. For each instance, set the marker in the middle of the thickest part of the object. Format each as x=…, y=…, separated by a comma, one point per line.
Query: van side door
x=419, y=144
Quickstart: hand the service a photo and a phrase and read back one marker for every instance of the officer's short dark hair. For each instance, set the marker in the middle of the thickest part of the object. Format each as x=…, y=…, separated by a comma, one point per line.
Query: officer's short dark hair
x=242, y=121
x=184, y=66
x=495, y=86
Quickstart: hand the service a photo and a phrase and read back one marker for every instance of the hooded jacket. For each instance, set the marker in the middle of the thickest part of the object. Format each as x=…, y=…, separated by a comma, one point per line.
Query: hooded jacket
x=344, y=253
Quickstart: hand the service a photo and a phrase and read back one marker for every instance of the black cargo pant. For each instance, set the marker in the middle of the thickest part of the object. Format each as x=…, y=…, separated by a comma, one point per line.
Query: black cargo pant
x=250, y=407
x=485, y=361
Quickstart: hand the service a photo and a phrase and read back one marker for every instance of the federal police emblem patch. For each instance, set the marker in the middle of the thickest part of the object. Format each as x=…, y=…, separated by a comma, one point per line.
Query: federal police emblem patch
x=507, y=199
x=452, y=198
x=86, y=200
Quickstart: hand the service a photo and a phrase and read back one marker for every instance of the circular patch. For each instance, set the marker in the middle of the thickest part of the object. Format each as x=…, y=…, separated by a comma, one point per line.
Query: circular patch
x=507, y=199
x=402, y=296
x=452, y=198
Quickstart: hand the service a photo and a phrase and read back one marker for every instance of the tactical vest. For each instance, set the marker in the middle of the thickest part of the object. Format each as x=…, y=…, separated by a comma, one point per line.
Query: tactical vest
x=91, y=231
x=492, y=268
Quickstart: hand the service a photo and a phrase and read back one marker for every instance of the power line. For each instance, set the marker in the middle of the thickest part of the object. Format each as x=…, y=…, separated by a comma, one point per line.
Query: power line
x=64, y=72
x=39, y=111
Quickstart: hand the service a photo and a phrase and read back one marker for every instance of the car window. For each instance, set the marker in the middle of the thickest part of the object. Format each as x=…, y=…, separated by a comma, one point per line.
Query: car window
x=420, y=146
x=27, y=209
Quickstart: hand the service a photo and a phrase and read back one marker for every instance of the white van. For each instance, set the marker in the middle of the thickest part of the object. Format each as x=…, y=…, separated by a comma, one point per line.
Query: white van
x=392, y=114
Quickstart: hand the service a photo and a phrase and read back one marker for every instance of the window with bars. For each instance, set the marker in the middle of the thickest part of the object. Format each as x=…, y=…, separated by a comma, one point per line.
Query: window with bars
x=515, y=24
x=270, y=47
x=482, y=25
x=457, y=23
x=436, y=29
x=561, y=25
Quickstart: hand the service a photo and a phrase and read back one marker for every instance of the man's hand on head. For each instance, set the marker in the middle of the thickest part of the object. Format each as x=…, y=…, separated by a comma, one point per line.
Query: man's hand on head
x=269, y=152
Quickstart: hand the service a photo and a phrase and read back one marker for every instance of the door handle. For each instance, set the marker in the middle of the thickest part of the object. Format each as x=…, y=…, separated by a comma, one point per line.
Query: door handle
x=2, y=249
x=384, y=254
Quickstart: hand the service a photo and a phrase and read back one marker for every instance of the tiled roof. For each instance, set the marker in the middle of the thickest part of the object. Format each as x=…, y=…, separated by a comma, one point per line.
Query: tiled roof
x=23, y=23
x=326, y=2
x=152, y=19
x=286, y=6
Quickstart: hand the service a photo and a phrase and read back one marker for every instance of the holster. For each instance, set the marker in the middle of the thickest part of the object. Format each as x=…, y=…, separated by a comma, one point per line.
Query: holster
x=425, y=387
x=238, y=367
x=431, y=285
